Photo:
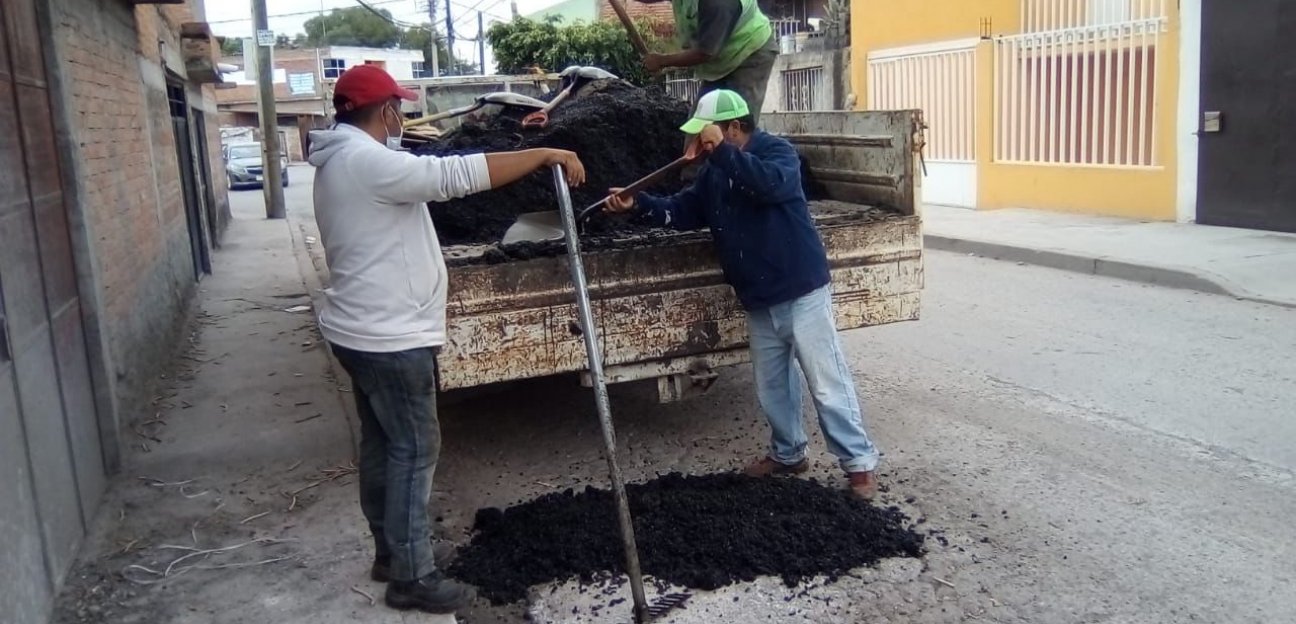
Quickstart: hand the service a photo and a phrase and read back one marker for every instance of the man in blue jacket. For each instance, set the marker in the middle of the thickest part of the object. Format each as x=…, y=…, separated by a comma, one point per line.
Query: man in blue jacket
x=749, y=194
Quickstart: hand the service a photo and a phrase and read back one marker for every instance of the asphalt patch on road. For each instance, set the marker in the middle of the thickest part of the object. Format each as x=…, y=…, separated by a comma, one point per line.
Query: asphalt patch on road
x=701, y=532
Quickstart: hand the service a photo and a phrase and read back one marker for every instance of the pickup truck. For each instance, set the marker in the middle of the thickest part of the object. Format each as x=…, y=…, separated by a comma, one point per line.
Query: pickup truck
x=663, y=309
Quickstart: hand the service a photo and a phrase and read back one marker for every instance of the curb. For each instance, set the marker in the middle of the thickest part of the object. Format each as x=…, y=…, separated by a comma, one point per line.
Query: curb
x=1169, y=277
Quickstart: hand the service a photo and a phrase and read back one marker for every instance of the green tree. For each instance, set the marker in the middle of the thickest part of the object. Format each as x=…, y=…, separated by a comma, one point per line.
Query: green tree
x=551, y=45
x=353, y=26
x=231, y=46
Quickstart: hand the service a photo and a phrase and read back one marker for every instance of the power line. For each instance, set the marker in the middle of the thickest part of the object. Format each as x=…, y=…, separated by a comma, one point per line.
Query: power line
x=297, y=14
x=469, y=12
x=402, y=24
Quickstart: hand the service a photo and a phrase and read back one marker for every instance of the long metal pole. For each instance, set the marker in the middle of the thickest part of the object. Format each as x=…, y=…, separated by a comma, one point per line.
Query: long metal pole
x=450, y=41
x=272, y=185
x=600, y=394
x=436, y=50
x=481, y=44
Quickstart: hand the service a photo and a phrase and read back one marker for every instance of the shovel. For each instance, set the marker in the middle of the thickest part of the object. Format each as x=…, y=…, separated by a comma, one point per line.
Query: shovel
x=539, y=227
x=503, y=98
x=571, y=76
x=593, y=353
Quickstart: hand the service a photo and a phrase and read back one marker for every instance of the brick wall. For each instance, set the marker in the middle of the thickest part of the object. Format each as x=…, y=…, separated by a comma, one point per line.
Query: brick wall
x=247, y=93
x=659, y=11
x=115, y=60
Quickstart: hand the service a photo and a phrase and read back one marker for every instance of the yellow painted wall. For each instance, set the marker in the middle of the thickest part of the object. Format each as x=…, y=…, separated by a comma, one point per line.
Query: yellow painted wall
x=1148, y=193
x=882, y=24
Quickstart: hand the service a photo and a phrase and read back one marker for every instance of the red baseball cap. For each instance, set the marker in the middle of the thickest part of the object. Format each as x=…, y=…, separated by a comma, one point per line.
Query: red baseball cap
x=363, y=85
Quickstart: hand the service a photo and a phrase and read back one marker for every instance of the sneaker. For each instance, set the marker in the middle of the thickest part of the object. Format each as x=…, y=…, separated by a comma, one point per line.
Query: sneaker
x=768, y=467
x=442, y=554
x=864, y=485
x=432, y=594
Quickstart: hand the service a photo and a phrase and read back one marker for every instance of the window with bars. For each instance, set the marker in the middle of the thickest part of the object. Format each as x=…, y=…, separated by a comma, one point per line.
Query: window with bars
x=802, y=89
x=683, y=89
x=421, y=70
x=1049, y=15
x=1080, y=95
x=334, y=67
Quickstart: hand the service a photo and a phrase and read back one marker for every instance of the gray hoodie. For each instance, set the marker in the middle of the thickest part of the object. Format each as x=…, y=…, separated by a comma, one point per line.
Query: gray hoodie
x=387, y=278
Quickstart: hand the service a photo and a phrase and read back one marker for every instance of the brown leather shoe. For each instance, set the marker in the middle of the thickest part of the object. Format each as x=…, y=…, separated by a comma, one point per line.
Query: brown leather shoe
x=864, y=485
x=768, y=467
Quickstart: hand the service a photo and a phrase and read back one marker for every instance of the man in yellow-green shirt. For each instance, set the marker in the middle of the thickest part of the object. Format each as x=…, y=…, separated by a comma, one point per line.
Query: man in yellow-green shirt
x=729, y=44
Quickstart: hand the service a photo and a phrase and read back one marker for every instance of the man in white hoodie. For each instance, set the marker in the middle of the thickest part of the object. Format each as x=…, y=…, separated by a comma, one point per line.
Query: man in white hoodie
x=384, y=311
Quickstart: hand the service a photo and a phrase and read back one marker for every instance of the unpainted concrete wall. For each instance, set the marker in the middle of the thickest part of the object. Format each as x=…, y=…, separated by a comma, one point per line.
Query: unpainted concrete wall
x=834, y=91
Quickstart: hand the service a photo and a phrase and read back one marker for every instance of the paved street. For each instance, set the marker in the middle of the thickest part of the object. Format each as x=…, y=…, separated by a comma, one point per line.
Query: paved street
x=1126, y=449
x=1092, y=450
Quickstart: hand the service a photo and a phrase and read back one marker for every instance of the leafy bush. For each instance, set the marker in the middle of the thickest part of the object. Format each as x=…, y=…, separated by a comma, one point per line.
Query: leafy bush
x=549, y=44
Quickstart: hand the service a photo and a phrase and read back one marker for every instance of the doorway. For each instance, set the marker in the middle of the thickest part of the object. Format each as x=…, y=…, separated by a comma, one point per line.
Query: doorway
x=1247, y=144
x=191, y=187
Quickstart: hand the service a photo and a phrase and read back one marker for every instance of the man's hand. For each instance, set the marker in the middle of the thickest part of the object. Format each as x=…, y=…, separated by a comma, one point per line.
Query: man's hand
x=616, y=203
x=710, y=138
x=654, y=62
x=571, y=164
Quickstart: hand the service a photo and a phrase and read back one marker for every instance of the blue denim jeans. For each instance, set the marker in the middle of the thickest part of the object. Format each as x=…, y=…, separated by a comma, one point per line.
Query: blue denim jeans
x=803, y=330
x=400, y=441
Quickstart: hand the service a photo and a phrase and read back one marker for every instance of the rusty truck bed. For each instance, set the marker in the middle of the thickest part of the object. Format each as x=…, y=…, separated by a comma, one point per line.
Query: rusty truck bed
x=660, y=301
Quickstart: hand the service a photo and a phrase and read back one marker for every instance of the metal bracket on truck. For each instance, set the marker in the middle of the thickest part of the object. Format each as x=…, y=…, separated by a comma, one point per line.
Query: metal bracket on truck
x=662, y=306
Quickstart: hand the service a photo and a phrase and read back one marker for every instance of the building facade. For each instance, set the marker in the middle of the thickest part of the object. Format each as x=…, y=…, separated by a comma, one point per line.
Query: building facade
x=569, y=11
x=303, y=80
x=112, y=201
x=1094, y=106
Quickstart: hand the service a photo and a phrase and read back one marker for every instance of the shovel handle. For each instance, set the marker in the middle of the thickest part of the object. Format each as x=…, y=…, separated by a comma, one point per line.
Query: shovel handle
x=644, y=182
x=540, y=118
x=454, y=112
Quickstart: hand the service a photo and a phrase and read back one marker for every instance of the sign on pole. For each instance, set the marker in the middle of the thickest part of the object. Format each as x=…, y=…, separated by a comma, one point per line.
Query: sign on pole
x=266, y=38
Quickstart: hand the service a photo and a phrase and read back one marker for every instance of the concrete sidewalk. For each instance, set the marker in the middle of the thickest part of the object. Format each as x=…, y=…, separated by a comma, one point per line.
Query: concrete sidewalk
x=237, y=499
x=1248, y=264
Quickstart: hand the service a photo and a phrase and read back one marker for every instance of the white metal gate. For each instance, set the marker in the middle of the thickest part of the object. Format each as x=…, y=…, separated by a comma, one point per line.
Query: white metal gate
x=940, y=80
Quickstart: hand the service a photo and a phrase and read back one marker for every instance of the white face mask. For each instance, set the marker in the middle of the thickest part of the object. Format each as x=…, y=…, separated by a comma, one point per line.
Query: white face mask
x=394, y=142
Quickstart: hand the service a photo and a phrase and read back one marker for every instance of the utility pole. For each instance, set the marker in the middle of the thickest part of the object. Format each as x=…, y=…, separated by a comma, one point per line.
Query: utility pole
x=272, y=185
x=436, y=51
x=513, y=7
x=481, y=44
x=449, y=40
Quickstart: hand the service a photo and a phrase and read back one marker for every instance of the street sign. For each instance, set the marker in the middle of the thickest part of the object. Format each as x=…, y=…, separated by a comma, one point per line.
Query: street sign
x=266, y=38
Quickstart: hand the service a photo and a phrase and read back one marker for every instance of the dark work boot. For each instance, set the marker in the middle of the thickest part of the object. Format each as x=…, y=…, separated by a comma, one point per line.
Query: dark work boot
x=432, y=594
x=442, y=554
